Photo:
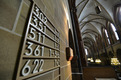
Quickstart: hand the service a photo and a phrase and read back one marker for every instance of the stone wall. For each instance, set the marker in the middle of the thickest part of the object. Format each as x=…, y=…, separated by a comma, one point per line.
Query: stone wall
x=13, y=23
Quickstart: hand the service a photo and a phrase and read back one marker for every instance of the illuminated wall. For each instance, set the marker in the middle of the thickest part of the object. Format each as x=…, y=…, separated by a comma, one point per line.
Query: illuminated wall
x=33, y=38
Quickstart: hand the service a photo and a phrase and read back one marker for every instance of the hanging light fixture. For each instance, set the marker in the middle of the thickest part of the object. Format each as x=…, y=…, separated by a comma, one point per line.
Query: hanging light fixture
x=98, y=61
x=91, y=60
x=115, y=61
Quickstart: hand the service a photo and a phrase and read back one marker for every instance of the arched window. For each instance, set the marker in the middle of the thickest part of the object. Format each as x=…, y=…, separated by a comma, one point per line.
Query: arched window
x=114, y=30
x=106, y=33
x=86, y=51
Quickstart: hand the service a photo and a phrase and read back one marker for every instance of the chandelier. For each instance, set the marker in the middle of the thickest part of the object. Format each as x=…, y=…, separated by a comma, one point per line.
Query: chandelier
x=98, y=61
x=115, y=61
x=91, y=60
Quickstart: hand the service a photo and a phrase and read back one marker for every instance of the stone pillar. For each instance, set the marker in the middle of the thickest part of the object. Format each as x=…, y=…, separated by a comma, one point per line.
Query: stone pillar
x=79, y=37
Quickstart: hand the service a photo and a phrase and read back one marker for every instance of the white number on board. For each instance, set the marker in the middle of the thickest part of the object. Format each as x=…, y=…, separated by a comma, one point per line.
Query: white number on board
x=26, y=69
x=57, y=62
x=37, y=51
x=30, y=49
x=39, y=37
x=40, y=26
x=37, y=64
x=34, y=22
x=36, y=11
x=45, y=20
x=32, y=33
x=56, y=54
x=42, y=50
x=41, y=65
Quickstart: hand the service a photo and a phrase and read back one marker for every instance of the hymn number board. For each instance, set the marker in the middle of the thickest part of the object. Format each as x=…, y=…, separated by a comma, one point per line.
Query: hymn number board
x=41, y=48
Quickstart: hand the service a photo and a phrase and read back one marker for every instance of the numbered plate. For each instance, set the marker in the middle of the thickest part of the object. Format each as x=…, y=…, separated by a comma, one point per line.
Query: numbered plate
x=36, y=66
x=34, y=49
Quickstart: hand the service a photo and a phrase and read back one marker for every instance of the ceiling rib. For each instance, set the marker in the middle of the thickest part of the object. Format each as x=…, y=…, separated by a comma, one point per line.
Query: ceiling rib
x=92, y=26
x=94, y=15
x=80, y=3
x=102, y=25
x=91, y=31
x=83, y=24
x=89, y=39
x=87, y=42
x=89, y=35
x=83, y=8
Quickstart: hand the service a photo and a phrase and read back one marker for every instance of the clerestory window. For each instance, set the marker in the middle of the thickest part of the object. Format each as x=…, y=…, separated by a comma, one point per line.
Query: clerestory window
x=106, y=33
x=114, y=30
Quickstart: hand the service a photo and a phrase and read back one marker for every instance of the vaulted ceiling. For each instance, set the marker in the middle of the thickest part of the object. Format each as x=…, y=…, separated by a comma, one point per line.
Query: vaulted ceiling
x=91, y=22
